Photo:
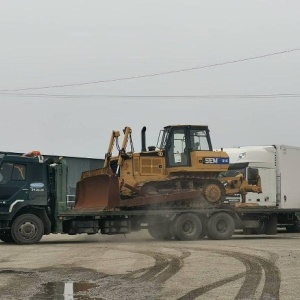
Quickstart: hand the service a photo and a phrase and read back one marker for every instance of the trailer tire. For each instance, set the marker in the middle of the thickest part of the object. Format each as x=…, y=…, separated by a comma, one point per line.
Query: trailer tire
x=27, y=229
x=161, y=231
x=187, y=227
x=220, y=226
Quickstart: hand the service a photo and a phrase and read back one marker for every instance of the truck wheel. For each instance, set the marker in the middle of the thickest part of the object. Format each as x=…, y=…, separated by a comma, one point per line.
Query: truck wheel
x=160, y=231
x=220, y=226
x=27, y=229
x=187, y=227
x=7, y=238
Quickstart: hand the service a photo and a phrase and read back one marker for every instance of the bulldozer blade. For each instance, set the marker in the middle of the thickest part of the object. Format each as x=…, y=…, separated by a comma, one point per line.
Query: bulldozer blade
x=97, y=192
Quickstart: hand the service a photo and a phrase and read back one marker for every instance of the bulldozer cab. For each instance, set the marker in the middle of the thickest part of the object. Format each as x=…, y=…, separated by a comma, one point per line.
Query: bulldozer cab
x=179, y=141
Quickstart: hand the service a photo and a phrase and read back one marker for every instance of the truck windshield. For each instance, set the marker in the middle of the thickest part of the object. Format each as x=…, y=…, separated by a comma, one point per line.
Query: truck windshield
x=1, y=158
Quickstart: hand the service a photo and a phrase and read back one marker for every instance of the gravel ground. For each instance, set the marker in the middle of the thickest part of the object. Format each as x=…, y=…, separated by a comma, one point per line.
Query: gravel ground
x=138, y=267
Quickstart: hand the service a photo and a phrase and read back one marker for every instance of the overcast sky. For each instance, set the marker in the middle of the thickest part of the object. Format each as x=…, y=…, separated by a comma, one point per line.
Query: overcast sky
x=46, y=43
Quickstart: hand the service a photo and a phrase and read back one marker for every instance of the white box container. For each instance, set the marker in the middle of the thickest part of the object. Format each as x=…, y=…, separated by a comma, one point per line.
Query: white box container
x=288, y=181
x=278, y=167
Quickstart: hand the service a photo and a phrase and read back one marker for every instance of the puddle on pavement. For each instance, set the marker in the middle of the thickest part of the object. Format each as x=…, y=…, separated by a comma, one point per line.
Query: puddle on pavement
x=65, y=291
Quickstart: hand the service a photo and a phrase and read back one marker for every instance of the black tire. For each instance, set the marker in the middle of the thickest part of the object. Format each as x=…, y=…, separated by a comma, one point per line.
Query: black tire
x=7, y=238
x=220, y=226
x=187, y=227
x=160, y=231
x=27, y=229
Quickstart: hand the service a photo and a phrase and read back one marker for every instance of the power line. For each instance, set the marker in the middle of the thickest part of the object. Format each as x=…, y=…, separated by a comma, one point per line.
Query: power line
x=230, y=96
x=153, y=74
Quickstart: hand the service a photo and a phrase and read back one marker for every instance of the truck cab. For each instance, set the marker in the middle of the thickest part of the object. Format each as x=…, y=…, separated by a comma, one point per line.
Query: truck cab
x=22, y=180
x=29, y=193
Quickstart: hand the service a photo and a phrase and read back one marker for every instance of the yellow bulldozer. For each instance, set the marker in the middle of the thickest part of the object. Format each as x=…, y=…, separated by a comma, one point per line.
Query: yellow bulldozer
x=182, y=169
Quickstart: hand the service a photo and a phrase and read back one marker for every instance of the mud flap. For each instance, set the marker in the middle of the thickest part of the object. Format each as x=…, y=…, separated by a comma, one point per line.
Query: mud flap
x=97, y=192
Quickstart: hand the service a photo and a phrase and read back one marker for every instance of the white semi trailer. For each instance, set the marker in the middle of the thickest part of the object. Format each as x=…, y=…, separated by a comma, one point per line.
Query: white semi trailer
x=278, y=167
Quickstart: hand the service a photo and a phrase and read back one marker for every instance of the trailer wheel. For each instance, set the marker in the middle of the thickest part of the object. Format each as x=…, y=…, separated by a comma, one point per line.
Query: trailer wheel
x=27, y=229
x=161, y=231
x=220, y=226
x=7, y=238
x=187, y=227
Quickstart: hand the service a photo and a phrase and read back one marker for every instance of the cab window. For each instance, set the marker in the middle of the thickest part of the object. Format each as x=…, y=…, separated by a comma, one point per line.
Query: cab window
x=177, y=149
x=199, y=140
x=19, y=172
x=5, y=172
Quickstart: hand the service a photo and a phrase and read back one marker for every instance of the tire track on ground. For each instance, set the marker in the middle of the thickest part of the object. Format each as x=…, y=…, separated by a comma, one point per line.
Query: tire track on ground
x=166, y=266
x=252, y=276
x=272, y=274
x=254, y=268
x=204, y=289
x=272, y=280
